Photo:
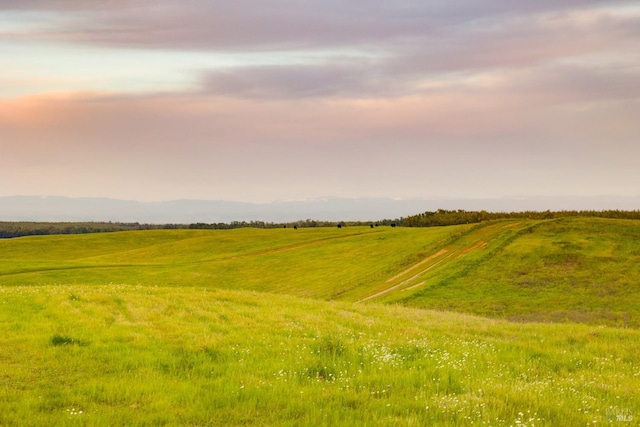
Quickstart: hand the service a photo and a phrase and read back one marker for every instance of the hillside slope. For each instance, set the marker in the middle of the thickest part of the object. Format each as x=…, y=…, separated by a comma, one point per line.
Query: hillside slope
x=580, y=270
x=317, y=262
x=569, y=269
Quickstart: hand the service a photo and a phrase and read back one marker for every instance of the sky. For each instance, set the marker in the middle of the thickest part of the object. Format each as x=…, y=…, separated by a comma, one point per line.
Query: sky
x=259, y=101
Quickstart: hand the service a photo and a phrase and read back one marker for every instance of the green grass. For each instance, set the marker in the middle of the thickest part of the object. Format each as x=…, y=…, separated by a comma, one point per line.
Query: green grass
x=577, y=270
x=321, y=263
x=140, y=355
x=570, y=269
x=263, y=327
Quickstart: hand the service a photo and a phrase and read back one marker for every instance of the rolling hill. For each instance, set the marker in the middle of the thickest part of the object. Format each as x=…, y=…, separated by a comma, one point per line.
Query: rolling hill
x=569, y=269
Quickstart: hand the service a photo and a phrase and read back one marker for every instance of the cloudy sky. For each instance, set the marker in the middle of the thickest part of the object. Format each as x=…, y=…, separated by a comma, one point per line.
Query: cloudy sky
x=254, y=100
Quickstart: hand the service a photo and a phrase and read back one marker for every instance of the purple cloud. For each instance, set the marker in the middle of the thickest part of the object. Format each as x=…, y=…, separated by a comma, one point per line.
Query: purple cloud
x=286, y=24
x=342, y=79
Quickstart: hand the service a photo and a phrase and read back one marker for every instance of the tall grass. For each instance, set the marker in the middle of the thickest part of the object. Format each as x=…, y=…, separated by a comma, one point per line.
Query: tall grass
x=196, y=356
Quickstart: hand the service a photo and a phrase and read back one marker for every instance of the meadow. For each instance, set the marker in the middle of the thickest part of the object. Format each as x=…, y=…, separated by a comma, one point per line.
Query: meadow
x=323, y=326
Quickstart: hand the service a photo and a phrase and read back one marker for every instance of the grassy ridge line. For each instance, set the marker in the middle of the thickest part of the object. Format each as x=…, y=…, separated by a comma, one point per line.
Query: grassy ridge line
x=140, y=355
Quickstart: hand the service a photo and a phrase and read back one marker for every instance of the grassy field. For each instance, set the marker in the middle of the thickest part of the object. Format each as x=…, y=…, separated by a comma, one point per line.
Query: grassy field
x=324, y=326
x=316, y=262
x=142, y=355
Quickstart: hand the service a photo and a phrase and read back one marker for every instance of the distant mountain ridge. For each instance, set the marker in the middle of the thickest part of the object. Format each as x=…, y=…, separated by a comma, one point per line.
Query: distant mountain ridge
x=54, y=208
x=67, y=209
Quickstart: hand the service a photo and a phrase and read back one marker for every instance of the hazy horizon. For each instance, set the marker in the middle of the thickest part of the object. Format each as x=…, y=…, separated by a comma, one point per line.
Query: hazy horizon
x=64, y=209
x=260, y=101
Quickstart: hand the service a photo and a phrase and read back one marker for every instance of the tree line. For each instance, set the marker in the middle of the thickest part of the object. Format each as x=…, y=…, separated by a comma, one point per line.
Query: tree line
x=25, y=228
x=438, y=218
x=9, y=229
x=443, y=217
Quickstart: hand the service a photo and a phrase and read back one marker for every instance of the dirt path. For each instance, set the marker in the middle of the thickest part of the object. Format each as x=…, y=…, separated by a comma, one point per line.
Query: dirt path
x=478, y=240
x=413, y=267
x=404, y=282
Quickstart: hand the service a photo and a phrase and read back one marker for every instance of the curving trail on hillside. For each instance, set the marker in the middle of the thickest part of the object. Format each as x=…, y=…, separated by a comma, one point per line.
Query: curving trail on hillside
x=413, y=277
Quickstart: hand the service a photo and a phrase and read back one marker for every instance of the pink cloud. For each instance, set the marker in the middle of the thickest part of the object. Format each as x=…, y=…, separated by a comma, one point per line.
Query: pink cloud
x=178, y=147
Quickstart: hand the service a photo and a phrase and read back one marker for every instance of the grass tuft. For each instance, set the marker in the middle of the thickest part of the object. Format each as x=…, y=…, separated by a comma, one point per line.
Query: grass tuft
x=59, y=340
